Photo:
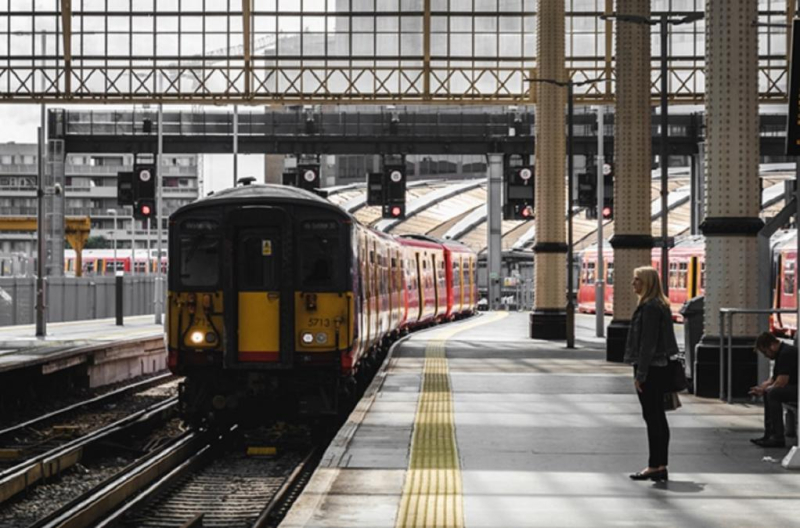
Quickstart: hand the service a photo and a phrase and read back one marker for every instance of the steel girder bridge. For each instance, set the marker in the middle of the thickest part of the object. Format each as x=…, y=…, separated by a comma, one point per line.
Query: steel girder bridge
x=268, y=52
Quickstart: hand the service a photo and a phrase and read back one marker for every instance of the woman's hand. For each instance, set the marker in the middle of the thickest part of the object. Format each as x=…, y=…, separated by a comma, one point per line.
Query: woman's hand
x=637, y=385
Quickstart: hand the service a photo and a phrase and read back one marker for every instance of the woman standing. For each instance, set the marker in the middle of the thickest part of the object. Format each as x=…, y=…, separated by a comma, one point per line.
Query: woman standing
x=651, y=342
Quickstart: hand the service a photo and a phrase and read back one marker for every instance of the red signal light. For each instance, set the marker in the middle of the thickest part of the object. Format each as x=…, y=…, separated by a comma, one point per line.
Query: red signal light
x=527, y=211
x=607, y=212
x=146, y=210
x=396, y=211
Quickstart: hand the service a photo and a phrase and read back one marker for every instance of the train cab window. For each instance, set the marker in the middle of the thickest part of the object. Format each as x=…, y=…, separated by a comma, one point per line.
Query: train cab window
x=788, y=278
x=610, y=274
x=588, y=277
x=199, y=259
x=318, y=261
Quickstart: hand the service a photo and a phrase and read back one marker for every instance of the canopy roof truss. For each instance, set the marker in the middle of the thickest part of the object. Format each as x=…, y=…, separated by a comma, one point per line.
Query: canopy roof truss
x=332, y=51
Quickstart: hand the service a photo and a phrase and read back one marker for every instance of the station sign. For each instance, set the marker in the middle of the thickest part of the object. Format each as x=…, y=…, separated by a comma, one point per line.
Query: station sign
x=793, y=122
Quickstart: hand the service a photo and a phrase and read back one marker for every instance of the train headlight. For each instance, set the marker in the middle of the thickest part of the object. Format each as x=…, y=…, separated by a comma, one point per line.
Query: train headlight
x=307, y=338
x=197, y=337
x=322, y=338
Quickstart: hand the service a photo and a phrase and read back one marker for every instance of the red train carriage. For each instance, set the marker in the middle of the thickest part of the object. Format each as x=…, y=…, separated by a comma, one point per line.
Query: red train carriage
x=785, y=283
x=686, y=275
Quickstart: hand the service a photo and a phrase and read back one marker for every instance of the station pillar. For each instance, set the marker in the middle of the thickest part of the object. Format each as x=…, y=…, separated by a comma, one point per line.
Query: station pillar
x=549, y=317
x=494, y=241
x=632, y=240
x=732, y=192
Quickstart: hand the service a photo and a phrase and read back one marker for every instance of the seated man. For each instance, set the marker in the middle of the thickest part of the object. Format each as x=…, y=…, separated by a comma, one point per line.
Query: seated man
x=780, y=388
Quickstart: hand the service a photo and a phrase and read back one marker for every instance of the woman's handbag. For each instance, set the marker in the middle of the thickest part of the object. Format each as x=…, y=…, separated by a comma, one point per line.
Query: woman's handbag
x=671, y=401
x=677, y=375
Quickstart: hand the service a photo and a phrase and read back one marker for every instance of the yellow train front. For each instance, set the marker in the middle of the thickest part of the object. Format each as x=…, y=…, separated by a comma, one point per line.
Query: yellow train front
x=262, y=314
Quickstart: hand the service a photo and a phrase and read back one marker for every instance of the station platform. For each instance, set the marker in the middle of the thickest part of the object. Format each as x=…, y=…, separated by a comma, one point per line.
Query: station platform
x=474, y=424
x=111, y=353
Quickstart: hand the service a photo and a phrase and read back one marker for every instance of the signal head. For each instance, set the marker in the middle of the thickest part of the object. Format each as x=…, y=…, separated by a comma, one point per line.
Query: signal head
x=527, y=212
x=608, y=212
x=309, y=175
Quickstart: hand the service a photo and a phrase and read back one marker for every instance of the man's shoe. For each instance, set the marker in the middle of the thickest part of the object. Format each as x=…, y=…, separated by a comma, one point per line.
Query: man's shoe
x=759, y=440
x=771, y=442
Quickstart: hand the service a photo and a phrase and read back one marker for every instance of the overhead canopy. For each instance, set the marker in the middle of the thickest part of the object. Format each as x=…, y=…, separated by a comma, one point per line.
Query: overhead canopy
x=456, y=209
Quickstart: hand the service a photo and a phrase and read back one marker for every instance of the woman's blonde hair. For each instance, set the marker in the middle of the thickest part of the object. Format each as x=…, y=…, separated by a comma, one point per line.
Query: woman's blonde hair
x=651, y=285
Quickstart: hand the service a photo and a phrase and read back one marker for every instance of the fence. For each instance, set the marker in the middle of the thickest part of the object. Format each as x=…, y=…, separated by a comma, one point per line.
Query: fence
x=73, y=298
x=726, y=344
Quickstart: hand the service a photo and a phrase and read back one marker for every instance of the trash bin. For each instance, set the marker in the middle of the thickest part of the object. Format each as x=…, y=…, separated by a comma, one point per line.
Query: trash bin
x=692, y=312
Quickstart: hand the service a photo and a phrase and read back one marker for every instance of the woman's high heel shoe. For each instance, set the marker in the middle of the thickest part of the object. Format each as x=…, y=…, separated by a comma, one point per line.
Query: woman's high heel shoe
x=656, y=476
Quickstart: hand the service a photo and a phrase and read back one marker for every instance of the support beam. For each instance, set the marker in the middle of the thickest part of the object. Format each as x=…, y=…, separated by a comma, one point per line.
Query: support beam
x=426, y=50
x=248, y=63
x=494, y=234
x=732, y=191
x=66, y=24
x=549, y=317
x=632, y=240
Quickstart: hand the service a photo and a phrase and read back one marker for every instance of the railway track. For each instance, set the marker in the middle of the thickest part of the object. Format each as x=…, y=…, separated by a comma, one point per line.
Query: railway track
x=46, y=432
x=45, y=461
x=199, y=480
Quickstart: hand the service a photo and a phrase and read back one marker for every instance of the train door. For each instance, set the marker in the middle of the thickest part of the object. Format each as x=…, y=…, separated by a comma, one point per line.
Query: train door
x=435, y=278
x=259, y=289
x=788, y=291
x=421, y=285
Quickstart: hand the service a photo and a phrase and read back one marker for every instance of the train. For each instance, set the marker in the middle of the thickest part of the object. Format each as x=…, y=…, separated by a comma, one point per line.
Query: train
x=687, y=276
x=280, y=302
x=99, y=262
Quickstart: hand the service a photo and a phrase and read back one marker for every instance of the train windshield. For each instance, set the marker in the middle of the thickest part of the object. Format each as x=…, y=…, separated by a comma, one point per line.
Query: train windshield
x=321, y=256
x=199, y=259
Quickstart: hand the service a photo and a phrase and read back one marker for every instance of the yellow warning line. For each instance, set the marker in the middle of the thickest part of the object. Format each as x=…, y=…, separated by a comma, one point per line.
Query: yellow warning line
x=432, y=493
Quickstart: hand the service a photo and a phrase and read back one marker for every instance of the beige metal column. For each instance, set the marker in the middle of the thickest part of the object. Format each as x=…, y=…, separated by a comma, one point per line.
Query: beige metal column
x=632, y=240
x=732, y=196
x=548, y=319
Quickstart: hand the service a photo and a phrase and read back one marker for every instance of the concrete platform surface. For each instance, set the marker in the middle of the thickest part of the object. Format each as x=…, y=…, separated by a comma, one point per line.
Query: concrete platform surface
x=474, y=424
x=20, y=348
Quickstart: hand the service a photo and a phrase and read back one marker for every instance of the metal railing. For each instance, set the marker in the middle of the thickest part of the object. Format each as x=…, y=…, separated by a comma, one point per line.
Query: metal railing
x=726, y=342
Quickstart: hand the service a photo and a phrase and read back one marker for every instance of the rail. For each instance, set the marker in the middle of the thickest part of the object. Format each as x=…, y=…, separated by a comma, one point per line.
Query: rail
x=726, y=337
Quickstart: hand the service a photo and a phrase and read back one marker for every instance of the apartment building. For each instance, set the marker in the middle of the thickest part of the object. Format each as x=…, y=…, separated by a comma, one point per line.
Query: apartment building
x=91, y=190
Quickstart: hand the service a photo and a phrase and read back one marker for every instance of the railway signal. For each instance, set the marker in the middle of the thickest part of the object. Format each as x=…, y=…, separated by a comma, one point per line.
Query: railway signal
x=125, y=188
x=393, y=190
x=308, y=176
x=608, y=191
x=144, y=191
x=144, y=209
x=519, y=193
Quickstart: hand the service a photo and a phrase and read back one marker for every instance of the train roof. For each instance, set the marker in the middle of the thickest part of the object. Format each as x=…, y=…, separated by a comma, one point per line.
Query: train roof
x=263, y=192
x=453, y=245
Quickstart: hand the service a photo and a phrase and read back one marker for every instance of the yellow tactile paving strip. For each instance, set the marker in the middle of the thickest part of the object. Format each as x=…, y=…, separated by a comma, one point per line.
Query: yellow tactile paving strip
x=432, y=492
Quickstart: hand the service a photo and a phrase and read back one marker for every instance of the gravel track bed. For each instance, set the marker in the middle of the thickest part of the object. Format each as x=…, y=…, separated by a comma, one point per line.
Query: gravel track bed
x=46, y=498
x=38, y=440
x=22, y=414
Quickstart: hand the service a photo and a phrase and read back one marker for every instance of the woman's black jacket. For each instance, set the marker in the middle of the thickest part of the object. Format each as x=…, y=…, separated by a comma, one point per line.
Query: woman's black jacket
x=651, y=338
